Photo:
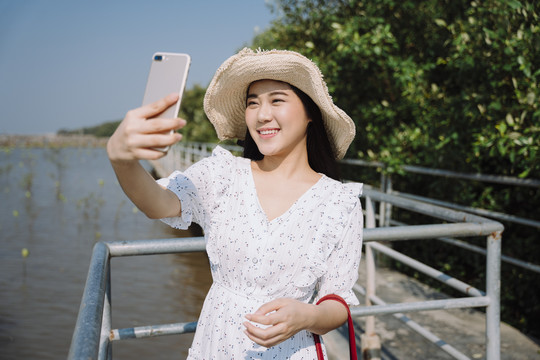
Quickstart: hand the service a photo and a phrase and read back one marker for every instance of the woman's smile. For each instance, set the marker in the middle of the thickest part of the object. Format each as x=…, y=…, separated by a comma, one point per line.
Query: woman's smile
x=268, y=133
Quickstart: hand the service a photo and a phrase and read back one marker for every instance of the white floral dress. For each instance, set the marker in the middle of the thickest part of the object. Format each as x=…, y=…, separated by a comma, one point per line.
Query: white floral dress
x=311, y=250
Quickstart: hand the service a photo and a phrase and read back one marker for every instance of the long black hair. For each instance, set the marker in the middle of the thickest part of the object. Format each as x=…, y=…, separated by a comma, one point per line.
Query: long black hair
x=320, y=154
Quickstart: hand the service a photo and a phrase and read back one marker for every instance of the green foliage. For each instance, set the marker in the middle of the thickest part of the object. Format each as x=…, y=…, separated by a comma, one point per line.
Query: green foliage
x=415, y=75
x=448, y=84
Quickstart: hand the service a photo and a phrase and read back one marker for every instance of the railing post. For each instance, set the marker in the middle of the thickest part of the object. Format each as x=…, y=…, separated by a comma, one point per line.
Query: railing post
x=382, y=207
x=181, y=152
x=371, y=345
x=174, y=158
x=188, y=155
x=86, y=337
x=493, y=291
x=105, y=347
x=388, y=206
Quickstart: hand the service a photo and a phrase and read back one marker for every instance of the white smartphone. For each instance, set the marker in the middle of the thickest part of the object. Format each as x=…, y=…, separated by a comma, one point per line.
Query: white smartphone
x=168, y=74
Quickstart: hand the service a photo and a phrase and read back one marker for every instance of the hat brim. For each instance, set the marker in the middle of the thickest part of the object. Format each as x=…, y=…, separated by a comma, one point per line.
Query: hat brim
x=225, y=99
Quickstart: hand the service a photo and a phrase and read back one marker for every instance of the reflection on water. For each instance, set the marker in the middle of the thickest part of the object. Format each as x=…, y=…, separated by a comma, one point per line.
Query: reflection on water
x=55, y=205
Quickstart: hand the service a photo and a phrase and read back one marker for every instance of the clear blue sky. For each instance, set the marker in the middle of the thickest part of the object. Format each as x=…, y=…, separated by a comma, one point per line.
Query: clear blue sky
x=69, y=64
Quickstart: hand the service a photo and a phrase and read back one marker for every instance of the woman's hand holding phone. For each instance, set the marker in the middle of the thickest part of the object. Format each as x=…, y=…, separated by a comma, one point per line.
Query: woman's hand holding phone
x=136, y=138
x=147, y=132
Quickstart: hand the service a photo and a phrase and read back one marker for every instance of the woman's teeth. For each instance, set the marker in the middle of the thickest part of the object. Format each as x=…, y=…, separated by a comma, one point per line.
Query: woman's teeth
x=268, y=132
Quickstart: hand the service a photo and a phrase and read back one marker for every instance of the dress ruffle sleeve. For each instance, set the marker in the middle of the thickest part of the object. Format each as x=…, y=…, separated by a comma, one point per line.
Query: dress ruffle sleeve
x=199, y=188
x=341, y=266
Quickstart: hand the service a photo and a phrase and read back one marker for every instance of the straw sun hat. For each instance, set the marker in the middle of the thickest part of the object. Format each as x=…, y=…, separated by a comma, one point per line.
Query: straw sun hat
x=225, y=99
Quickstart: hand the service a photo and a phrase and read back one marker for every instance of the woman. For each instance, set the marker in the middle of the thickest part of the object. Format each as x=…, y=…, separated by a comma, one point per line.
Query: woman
x=281, y=232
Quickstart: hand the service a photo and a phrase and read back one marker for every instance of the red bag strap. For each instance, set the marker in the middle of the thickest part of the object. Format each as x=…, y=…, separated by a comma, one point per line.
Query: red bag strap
x=352, y=338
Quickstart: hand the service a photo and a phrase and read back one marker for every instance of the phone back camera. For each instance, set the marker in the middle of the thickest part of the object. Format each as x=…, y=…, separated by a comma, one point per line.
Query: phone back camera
x=158, y=58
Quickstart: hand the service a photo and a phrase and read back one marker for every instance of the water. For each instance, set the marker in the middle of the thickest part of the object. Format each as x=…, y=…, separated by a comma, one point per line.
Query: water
x=57, y=203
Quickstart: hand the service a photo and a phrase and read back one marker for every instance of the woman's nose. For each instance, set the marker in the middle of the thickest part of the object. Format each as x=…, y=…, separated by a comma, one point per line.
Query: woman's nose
x=265, y=113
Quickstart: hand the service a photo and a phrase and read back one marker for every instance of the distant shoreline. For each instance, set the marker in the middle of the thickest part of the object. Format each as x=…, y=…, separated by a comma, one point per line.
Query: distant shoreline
x=51, y=140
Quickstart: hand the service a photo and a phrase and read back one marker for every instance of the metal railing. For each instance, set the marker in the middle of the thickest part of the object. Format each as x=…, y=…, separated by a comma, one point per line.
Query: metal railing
x=93, y=336
x=183, y=154
x=385, y=210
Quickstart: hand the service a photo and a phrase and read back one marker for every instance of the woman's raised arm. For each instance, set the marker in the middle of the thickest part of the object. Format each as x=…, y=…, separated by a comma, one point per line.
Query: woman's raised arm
x=137, y=138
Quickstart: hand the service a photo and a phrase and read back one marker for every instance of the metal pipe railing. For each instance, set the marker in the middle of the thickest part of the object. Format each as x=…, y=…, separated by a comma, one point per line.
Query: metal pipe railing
x=493, y=333
x=479, y=250
x=465, y=224
x=487, y=227
x=85, y=343
x=105, y=348
x=444, y=304
x=481, y=212
x=464, y=245
x=152, y=331
x=434, y=339
x=493, y=292
x=370, y=267
x=156, y=247
x=496, y=179
x=429, y=271
x=92, y=339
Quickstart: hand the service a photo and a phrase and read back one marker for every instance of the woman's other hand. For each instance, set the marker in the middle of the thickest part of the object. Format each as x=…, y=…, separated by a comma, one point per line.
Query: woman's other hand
x=138, y=138
x=281, y=318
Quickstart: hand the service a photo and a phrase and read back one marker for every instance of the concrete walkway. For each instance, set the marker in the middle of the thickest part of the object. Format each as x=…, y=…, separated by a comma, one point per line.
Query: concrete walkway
x=464, y=329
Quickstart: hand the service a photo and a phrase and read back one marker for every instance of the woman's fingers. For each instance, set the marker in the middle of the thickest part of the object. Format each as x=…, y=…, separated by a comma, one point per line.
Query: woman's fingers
x=266, y=337
x=157, y=107
x=266, y=332
x=273, y=305
x=148, y=141
x=263, y=319
x=276, y=320
x=140, y=133
x=280, y=319
x=159, y=125
x=128, y=143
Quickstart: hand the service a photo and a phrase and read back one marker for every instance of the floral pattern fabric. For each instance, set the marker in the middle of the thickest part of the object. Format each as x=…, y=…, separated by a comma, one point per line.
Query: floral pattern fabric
x=311, y=250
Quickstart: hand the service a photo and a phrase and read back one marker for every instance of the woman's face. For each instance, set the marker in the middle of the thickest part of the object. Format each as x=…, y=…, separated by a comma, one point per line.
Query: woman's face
x=276, y=118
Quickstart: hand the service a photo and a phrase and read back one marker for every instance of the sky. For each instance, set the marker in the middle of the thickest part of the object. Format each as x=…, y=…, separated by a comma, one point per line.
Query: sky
x=68, y=64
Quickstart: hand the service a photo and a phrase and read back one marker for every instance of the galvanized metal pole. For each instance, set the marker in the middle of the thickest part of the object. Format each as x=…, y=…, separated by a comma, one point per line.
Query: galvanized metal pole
x=370, y=266
x=388, y=205
x=493, y=291
x=371, y=345
x=382, y=206
x=105, y=348
x=370, y=288
x=186, y=157
x=86, y=337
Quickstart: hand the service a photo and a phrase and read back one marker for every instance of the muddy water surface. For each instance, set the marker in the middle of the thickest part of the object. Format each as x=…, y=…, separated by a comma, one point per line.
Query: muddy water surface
x=55, y=204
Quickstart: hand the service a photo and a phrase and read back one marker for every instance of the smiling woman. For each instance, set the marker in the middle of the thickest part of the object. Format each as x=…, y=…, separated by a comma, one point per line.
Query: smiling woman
x=280, y=232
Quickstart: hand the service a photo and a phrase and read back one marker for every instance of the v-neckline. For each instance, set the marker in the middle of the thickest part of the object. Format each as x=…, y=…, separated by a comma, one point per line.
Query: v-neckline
x=291, y=208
